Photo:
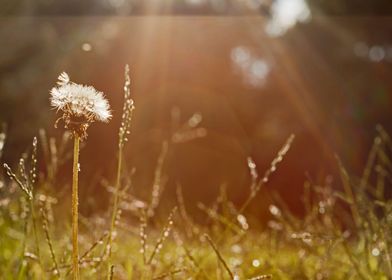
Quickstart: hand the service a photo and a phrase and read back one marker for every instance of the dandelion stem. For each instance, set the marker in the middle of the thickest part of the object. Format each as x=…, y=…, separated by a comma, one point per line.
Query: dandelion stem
x=75, y=251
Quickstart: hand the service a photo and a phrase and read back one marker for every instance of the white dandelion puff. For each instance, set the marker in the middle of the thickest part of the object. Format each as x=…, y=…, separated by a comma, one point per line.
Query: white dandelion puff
x=81, y=105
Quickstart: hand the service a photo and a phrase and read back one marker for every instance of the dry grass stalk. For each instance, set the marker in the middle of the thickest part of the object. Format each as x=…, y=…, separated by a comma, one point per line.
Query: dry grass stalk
x=169, y=274
x=214, y=215
x=123, y=132
x=45, y=225
x=260, y=277
x=3, y=137
x=190, y=226
x=219, y=255
x=14, y=177
x=143, y=235
x=273, y=166
x=164, y=235
x=26, y=184
x=157, y=183
x=195, y=264
x=99, y=241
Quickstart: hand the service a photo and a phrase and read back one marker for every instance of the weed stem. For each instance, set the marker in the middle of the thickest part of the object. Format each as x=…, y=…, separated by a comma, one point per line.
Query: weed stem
x=75, y=251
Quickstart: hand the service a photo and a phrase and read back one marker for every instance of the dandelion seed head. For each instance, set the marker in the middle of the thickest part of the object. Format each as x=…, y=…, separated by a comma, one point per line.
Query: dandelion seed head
x=81, y=101
x=80, y=104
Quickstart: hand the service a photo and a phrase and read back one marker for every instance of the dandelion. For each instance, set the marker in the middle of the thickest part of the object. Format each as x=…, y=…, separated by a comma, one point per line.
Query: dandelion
x=80, y=105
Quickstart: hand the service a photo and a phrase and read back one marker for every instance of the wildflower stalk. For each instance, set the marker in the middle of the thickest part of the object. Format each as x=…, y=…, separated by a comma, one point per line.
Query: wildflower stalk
x=164, y=235
x=75, y=251
x=115, y=208
x=273, y=166
x=35, y=230
x=353, y=203
x=31, y=180
x=128, y=108
x=45, y=224
x=26, y=184
x=219, y=255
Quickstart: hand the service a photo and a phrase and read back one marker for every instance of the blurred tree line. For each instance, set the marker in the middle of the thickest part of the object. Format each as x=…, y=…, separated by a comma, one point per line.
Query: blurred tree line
x=133, y=7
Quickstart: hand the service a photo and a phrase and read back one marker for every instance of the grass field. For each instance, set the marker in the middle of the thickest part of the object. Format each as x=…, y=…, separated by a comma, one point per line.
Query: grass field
x=345, y=233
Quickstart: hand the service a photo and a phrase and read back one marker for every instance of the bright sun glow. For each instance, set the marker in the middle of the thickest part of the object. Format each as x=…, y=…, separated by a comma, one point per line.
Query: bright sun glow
x=285, y=14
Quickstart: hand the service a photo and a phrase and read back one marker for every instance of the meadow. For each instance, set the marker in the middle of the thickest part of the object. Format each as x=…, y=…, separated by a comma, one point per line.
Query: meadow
x=344, y=234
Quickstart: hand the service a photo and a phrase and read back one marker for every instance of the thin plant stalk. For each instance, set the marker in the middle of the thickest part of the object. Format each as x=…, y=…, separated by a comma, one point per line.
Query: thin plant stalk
x=123, y=132
x=115, y=208
x=30, y=181
x=45, y=224
x=35, y=230
x=219, y=255
x=273, y=166
x=75, y=251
